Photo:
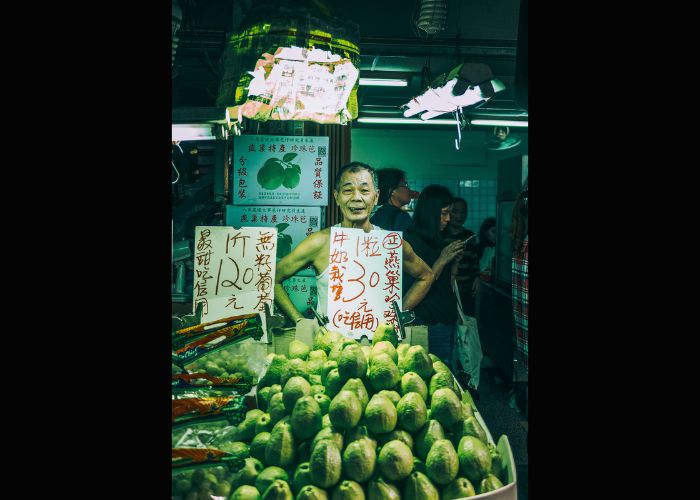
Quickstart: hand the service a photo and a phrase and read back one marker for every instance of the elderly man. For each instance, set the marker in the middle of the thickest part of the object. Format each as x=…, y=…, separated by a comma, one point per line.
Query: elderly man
x=356, y=194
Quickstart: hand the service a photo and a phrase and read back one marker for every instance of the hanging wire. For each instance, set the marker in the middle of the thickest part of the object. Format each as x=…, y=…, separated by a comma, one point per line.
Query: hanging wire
x=458, y=139
x=458, y=36
x=176, y=171
x=414, y=18
x=458, y=20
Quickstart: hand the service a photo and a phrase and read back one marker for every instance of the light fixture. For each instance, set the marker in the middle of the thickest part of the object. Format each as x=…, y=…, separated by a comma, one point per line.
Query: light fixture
x=466, y=86
x=404, y=121
x=439, y=121
x=193, y=132
x=500, y=123
x=433, y=16
x=501, y=139
x=384, y=82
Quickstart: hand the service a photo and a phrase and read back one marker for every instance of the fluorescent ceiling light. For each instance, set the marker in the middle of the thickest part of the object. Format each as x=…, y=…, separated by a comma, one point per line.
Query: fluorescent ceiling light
x=500, y=123
x=405, y=121
x=439, y=121
x=384, y=82
x=193, y=132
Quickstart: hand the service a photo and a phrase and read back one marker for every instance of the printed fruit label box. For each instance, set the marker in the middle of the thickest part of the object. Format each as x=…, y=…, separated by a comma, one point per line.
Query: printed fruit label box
x=280, y=170
x=293, y=224
x=303, y=293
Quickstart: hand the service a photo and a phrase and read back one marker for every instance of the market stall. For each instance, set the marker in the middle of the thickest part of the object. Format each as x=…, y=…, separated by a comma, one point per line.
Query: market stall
x=346, y=401
x=335, y=418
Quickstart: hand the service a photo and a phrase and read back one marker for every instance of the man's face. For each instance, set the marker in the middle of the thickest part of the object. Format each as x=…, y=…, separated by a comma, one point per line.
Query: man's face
x=356, y=195
x=458, y=213
x=402, y=193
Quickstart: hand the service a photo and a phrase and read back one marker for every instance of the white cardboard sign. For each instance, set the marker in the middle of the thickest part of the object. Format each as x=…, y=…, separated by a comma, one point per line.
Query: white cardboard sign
x=293, y=225
x=234, y=271
x=364, y=277
x=280, y=170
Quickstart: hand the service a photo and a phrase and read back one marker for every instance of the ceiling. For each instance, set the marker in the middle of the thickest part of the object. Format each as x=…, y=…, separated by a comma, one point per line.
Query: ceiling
x=476, y=31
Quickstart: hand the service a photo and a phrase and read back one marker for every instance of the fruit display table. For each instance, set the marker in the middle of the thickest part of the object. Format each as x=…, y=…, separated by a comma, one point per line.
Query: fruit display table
x=337, y=419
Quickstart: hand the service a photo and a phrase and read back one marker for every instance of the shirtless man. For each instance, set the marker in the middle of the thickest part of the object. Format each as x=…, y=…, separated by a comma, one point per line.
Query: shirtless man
x=356, y=194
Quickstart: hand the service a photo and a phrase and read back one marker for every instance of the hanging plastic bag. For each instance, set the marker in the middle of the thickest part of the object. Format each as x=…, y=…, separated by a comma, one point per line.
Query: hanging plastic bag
x=468, y=352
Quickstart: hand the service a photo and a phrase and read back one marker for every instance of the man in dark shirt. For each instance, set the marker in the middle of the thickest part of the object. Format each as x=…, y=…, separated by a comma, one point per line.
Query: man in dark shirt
x=393, y=194
x=468, y=272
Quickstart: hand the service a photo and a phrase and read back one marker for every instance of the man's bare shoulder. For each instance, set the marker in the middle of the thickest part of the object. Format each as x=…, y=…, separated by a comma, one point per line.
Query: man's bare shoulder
x=322, y=235
x=319, y=239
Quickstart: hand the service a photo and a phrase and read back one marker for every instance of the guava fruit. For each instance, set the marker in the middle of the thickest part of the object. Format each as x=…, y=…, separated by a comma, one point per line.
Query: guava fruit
x=431, y=432
x=281, y=447
x=295, y=388
x=474, y=459
x=311, y=492
x=258, y=445
x=489, y=483
x=268, y=475
x=419, y=487
x=380, y=415
x=345, y=410
x=412, y=412
x=306, y=418
x=298, y=349
x=395, y=461
x=359, y=460
x=386, y=347
x=412, y=382
x=383, y=372
x=459, y=488
x=245, y=492
x=326, y=464
x=348, y=490
x=378, y=489
x=442, y=463
x=445, y=407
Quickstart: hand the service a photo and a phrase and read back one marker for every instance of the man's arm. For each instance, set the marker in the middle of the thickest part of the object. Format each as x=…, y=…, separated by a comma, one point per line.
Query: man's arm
x=303, y=255
x=416, y=267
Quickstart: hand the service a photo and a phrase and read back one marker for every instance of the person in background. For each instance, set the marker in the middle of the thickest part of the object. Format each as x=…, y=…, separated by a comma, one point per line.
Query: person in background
x=438, y=309
x=393, y=194
x=485, y=248
x=468, y=273
x=485, y=251
x=521, y=296
x=356, y=194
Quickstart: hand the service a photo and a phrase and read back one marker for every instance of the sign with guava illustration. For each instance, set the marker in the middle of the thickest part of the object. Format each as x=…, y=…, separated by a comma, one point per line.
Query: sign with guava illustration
x=293, y=225
x=234, y=271
x=364, y=277
x=280, y=170
x=303, y=293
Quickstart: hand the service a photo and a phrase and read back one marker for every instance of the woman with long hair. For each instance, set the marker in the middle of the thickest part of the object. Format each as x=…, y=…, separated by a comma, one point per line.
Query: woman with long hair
x=438, y=309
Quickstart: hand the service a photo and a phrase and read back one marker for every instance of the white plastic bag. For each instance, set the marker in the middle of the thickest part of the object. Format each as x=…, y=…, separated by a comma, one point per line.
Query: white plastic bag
x=468, y=351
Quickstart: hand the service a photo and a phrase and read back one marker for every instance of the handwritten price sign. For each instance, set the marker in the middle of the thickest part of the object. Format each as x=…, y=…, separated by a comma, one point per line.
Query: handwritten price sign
x=234, y=271
x=364, y=277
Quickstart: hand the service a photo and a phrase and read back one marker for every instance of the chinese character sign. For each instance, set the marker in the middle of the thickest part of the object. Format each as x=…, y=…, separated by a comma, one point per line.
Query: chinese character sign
x=280, y=170
x=364, y=277
x=293, y=225
x=303, y=293
x=234, y=271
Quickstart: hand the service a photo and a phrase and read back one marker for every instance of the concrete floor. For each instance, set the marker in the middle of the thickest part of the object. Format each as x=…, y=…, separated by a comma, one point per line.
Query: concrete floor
x=501, y=418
